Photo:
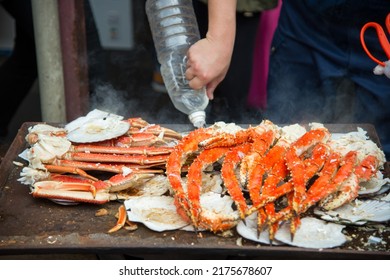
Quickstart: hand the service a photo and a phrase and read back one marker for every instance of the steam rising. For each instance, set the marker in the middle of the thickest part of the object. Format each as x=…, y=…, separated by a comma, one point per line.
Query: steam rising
x=106, y=98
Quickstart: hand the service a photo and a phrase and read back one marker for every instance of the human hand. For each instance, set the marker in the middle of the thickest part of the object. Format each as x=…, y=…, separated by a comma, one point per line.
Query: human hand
x=380, y=70
x=207, y=65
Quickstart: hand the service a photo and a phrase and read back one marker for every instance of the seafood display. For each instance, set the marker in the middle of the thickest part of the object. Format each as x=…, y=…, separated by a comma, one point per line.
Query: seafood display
x=271, y=184
x=128, y=160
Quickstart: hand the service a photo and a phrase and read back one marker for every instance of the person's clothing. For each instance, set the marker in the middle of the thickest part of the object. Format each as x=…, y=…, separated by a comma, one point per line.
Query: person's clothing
x=253, y=6
x=257, y=97
x=19, y=71
x=319, y=70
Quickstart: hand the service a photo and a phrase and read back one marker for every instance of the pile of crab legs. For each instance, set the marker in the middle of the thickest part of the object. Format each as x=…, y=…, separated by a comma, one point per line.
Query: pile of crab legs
x=306, y=171
x=133, y=158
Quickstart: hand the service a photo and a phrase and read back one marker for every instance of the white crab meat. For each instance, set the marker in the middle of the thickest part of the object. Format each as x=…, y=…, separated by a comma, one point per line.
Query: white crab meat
x=226, y=127
x=357, y=141
x=28, y=175
x=156, y=186
x=96, y=126
x=248, y=230
x=291, y=133
x=358, y=212
x=217, y=207
x=313, y=233
x=211, y=182
x=157, y=213
x=45, y=150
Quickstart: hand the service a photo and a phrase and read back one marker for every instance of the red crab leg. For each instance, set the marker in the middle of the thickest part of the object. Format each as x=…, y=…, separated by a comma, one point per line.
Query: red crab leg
x=194, y=176
x=231, y=182
x=296, y=164
x=261, y=144
x=326, y=185
x=121, y=182
x=148, y=151
x=79, y=192
x=270, y=163
x=175, y=162
x=69, y=169
x=367, y=168
x=106, y=167
x=139, y=159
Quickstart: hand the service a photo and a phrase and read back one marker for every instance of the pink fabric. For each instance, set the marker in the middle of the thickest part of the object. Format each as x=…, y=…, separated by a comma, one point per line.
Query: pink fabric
x=257, y=97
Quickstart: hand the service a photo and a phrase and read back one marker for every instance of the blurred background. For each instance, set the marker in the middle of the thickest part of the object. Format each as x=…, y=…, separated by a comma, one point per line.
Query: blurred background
x=120, y=65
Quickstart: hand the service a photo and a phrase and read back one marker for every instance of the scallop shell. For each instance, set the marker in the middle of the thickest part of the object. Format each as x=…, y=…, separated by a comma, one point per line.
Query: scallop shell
x=248, y=230
x=313, y=233
x=375, y=185
x=358, y=212
x=157, y=213
x=96, y=126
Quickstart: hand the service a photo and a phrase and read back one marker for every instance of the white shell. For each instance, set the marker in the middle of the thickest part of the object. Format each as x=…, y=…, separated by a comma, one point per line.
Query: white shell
x=375, y=185
x=158, y=213
x=358, y=212
x=312, y=233
x=248, y=230
x=96, y=126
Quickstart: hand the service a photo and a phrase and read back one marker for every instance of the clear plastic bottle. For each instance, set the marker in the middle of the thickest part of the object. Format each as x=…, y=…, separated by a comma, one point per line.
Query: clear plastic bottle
x=174, y=29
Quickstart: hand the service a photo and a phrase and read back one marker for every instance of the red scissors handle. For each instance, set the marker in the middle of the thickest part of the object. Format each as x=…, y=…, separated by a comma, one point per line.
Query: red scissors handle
x=381, y=36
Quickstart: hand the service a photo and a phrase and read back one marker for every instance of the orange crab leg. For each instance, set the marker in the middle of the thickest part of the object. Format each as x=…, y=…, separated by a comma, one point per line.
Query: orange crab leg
x=139, y=159
x=79, y=192
x=194, y=176
x=367, y=168
x=122, y=217
x=297, y=166
x=106, y=167
x=175, y=162
x=69, y=169
x=231, y=160
x=148, y=151
x=331, y=179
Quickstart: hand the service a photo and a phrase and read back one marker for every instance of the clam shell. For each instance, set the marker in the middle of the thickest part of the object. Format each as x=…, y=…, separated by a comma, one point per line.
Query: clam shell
x=157, y=213
x=358, y=212
x=248, y=230
x=313, y=233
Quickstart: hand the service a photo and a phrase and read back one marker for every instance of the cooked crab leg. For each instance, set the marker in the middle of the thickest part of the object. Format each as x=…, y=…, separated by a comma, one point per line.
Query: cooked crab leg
x=232, y=184
x=106, y=167
x=141, y=150
x=122, y=217
x=69, y=169
x=194, y=184
x=175, y=162
x=84, y=190
x=139, y=159
x=297, y=165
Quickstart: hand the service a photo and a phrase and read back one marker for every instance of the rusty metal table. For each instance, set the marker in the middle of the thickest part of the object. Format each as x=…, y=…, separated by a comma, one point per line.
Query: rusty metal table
x=39, y=226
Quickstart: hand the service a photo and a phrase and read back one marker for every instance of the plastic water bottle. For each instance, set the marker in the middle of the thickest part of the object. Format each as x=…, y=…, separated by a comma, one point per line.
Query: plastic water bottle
x=174, y=29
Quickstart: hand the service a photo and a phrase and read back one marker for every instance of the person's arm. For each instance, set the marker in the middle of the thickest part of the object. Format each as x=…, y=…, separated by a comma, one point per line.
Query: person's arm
x=209, y=58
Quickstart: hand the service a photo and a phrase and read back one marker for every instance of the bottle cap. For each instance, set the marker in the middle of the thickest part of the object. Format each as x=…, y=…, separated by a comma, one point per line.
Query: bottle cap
x=198, y=118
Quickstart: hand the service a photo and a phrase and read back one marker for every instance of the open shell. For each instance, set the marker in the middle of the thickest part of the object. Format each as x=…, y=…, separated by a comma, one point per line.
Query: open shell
x=248, y=230
x=358, y=212
x=157, y=213
x=313, y=233
x=96, y=126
